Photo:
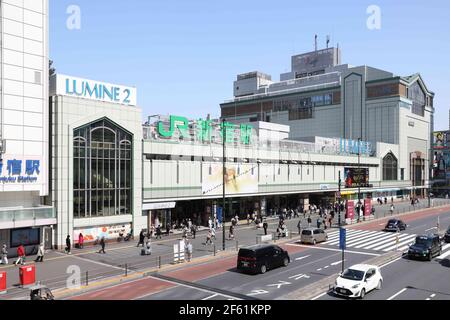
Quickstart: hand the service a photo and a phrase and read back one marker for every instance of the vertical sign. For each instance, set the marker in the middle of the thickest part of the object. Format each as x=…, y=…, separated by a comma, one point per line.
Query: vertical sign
x=342, y=238
x=219, y=214
x=350, y=210
x=367, y=207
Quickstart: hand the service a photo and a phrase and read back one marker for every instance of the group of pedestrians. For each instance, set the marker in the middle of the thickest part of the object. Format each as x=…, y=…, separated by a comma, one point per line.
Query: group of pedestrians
x=21, y=255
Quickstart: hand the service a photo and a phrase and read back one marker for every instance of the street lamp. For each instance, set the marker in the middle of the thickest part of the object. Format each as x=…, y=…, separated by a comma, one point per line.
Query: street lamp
x=223, y=182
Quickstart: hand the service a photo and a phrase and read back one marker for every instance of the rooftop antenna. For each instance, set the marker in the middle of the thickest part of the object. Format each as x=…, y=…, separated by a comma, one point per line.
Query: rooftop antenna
x=315, y=42
x=328, y=41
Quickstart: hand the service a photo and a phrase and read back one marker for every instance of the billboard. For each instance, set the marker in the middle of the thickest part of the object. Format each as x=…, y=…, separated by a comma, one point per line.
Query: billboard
x=91, y=234
x=441, y=139
x=356, y=177
x=239, y=179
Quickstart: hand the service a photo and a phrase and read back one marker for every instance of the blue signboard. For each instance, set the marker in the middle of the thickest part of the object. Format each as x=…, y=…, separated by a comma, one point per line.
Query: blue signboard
x=342, y=238
x=219, y=214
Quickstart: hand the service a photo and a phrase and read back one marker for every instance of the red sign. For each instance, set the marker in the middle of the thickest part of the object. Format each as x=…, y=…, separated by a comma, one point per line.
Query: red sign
x=2, y=281
x=350, y=210
x=367, y=207
x=27, y=275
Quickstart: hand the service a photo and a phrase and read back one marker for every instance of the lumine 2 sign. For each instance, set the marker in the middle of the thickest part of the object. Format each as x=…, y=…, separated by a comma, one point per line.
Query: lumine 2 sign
x=203, y=130
x=95, y=90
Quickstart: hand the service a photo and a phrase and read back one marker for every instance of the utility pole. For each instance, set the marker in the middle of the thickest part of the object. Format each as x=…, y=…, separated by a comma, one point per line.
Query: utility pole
x=359, y=183
x=339, y=199
x=224, y=132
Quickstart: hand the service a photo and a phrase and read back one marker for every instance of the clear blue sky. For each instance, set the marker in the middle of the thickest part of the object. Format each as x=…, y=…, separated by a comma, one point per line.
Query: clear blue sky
x=184, y=55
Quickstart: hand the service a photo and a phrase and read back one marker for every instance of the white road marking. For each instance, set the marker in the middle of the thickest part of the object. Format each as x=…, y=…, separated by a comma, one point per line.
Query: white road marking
x=389, y=243
x=402, y=242
x=280, y=284
x=397, y=294
x=319, y=296
x=299, y=276
x=336, y=263
x=326, y=267
x=210, y=297
x=95, y=262
x=331, y=249
x=301, y=258
x=386, y=264
x=319, y=269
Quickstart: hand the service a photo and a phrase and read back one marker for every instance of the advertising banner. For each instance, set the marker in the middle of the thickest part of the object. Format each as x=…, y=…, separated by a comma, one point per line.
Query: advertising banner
x=440, y=139
x=350, y=210
x=367, y=207
x=109, y=232
x=239, y=179
x=356, y=177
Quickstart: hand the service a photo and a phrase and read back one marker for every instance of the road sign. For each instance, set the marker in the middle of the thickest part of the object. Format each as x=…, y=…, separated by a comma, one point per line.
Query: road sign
x=342, y=238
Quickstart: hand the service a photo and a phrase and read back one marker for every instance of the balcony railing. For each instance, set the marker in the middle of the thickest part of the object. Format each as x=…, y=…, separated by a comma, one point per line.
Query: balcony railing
x=26, y=214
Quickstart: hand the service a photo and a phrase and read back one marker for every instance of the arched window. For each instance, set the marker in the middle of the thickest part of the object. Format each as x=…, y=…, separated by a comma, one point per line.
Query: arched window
x=102, y=170
x=390, y=167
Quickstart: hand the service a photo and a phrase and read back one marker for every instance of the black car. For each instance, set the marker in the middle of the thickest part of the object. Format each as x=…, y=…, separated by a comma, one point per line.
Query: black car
x=261, y=258
x=447, y=235
x=425, y=247
x=395, y=225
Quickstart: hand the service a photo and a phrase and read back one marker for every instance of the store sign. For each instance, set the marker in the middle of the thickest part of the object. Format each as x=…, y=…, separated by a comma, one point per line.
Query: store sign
x=204, y=130
x=355, y=147
x=239, y=179
x=158, y=206
x=95, y=90
x=19, y=170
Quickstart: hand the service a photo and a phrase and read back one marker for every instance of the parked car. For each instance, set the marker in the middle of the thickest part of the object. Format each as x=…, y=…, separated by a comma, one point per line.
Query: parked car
x=447, y=235
x=426, y=247
x=313, y=235
x=395, y=225
x=358, y=280
x=259, y=259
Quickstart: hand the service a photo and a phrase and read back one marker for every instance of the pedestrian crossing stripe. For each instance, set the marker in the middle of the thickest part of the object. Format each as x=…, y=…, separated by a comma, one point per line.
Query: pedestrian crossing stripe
x=373, y=240
x=445, y=253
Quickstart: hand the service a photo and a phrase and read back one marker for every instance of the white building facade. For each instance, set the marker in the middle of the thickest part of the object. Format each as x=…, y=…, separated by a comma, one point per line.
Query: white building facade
x=25, y=214
x=96, y=159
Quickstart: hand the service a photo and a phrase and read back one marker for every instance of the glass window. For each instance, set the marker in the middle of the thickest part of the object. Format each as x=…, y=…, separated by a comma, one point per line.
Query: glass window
x=390, y=167
x=102, y=170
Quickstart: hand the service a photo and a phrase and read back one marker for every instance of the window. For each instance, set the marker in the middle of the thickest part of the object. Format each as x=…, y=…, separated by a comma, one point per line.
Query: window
x=402, y=174
x=418, y=98
x=102, y=170
x=390, y=167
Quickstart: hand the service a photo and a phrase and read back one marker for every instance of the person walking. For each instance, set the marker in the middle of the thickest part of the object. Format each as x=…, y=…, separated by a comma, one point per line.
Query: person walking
x=158, y=232
x=208, y=238
x=68, y=245
x=40, y=255
x=80, y=240
x=4, y=255
x=188, y=250
x=20, y=255
x=392, y=209
x=231, y=235
x=265, y=226
x=248, y=218
x=318, y=223
x=309, y=221
x=141, y=238
x=193, y=230
x=147, y=247
x=299, y=227
x=102, y=244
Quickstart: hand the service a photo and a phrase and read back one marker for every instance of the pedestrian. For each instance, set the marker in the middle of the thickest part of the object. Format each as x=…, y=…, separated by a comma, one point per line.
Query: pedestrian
x=188, y=250
x=40, y=255
x=209, y=237
x=330, y=219
x=392, y=199
x=102, y=244
x=210, y=223
x=309, y=221
x=147, y=247
x=193, y=230
x=141, y=238
x=299, y=226
x=80, y=241
x=392, y=209
x=231, y=236
x=68, y=245
x=265, y=226
x=318, y=223
x=185, y=231
x=4, y=255
x=167, y=229
x=158, y=232
x=20, y=255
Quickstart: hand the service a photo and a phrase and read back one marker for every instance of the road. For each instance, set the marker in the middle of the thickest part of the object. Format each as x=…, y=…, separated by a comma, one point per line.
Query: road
x=218, y=279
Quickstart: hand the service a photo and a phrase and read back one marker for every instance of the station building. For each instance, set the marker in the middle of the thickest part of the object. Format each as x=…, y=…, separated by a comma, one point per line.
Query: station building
x=320, y=96
x=26, y=214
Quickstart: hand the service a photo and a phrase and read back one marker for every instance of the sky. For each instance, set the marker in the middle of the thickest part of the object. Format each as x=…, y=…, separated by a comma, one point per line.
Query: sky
x=184, y=55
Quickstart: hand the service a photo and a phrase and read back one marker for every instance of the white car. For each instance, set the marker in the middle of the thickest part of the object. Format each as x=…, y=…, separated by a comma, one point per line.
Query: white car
x=358, y=280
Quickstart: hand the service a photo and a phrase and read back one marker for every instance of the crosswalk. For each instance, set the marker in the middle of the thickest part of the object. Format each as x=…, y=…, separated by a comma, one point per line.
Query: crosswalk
x=378, y=241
